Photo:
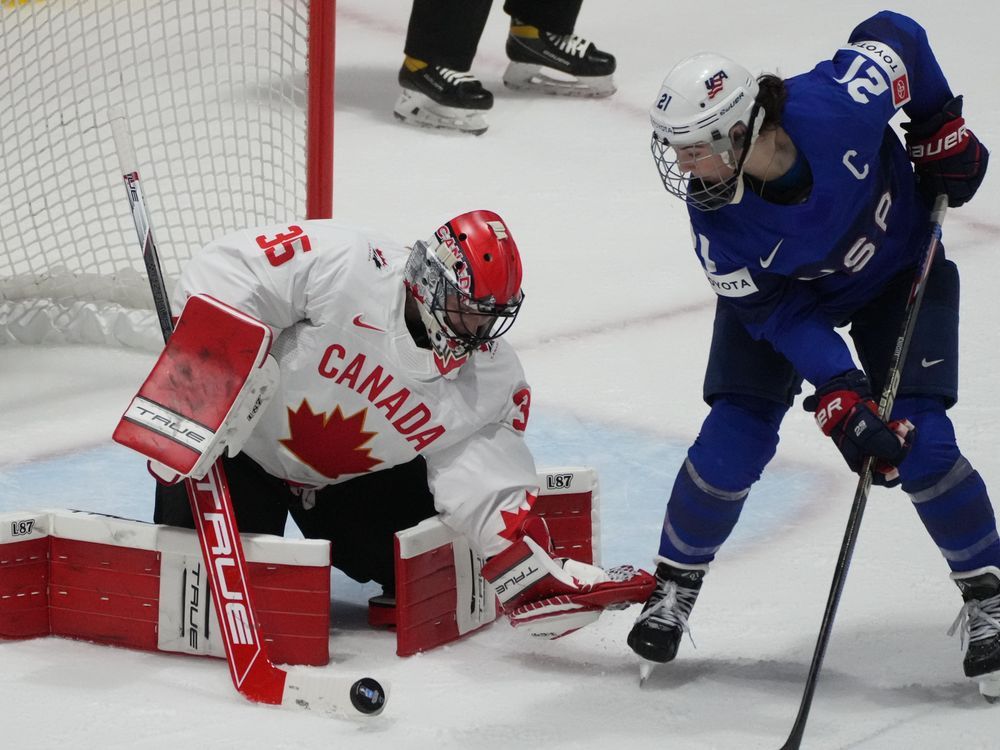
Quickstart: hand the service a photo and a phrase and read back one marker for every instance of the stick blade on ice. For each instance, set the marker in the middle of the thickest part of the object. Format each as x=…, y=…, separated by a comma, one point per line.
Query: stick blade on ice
x=333, y=695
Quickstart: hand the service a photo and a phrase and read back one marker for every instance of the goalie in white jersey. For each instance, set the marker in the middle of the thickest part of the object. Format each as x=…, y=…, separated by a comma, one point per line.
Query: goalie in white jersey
x=387, y=396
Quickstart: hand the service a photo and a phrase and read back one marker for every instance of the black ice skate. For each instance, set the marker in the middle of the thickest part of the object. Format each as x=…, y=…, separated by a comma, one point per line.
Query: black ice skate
x=979, y=623
x=657, y=632
x=557, y=63
x=437, y=97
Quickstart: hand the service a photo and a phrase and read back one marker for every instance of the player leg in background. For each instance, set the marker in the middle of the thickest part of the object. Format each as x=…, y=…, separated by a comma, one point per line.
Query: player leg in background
x=438, y=89
x=545, y=55
x=749, y=387
x=361, y=516
x=260, y=501
x=947, y=492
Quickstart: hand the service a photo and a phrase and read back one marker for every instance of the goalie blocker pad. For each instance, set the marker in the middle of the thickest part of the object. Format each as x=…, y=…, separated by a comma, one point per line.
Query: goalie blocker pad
x=204, y=393
x=140, y=585
x=441, y=594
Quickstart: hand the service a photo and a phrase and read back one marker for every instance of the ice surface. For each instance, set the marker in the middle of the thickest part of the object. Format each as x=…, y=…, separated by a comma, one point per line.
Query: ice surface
x=613, y=337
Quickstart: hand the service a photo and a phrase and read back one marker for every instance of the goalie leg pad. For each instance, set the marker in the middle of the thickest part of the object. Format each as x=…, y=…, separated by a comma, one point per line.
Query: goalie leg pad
x=569, y=501
x=440, y=592
x=139, y=585
x=24, y=575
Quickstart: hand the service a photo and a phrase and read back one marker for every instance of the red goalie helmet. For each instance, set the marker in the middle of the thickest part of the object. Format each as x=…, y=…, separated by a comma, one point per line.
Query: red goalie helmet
x=466, y=281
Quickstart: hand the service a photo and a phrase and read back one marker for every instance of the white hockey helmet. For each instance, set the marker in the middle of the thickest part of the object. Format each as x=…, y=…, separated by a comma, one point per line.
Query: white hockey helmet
x=466, y=280
x=705, y=100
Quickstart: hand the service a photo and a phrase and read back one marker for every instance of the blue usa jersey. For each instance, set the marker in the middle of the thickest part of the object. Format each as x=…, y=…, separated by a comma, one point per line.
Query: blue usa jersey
x=794, y=272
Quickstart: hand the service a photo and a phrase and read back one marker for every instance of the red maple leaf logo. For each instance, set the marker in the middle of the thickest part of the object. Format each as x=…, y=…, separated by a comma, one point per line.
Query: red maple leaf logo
x=330, y=443
x=513, y=521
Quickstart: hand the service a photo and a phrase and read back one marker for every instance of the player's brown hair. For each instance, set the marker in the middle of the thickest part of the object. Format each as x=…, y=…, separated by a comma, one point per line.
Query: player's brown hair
x=771, y=96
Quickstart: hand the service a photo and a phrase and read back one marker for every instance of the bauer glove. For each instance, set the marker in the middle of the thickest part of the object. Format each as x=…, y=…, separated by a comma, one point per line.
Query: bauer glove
x=846, y=413
x=947, y=157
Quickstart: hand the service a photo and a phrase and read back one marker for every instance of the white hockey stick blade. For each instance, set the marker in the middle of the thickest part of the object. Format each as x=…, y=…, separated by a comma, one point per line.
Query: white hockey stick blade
x=335, y=696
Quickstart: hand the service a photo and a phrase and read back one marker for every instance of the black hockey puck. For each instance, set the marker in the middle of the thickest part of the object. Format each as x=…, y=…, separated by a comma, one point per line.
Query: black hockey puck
x=368, y=696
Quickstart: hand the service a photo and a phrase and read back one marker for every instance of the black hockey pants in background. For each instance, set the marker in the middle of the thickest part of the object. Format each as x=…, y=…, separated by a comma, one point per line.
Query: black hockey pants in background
x=447, y=32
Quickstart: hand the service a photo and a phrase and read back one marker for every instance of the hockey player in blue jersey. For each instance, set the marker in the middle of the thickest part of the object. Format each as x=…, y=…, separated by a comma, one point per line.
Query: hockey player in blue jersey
x=808, y=213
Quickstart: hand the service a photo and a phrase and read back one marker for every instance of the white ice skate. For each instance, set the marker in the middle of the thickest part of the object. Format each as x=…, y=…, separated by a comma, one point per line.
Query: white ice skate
x=415, y=108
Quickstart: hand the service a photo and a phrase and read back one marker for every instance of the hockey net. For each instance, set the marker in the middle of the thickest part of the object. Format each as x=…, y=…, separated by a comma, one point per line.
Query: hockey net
x=230, y=107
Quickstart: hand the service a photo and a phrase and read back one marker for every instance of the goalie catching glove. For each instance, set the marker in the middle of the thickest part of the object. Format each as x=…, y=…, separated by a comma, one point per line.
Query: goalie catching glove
x=846, y=413
x=205, y=392
x=552, y=597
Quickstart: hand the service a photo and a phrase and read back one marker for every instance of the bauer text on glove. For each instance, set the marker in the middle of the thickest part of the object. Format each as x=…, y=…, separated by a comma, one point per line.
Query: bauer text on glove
x=947, y=157
x=846, y=413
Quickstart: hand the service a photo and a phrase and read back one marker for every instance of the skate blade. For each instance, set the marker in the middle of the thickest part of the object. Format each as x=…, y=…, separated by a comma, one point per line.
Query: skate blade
x=530, y=77
x=645, y=670
x=989, y=687
x=416, y=109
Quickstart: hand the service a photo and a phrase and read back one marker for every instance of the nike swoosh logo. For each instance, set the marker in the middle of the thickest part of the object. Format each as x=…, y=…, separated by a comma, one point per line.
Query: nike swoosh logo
x=361, y=324
x=930, y=363
x=765, y=262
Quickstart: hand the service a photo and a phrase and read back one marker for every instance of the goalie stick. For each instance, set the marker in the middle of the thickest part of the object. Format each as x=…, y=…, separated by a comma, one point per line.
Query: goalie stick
x=865, y=482
x=253, y=674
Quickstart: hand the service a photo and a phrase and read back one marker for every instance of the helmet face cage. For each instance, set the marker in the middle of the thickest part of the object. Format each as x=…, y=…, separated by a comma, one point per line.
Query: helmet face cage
x=706, y=108
x=471, y=322
x=458, y=317
x=706, y=193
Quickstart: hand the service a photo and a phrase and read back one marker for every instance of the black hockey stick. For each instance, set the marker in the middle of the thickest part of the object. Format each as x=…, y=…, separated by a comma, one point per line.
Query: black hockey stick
x=865, y=482
x=253, y=673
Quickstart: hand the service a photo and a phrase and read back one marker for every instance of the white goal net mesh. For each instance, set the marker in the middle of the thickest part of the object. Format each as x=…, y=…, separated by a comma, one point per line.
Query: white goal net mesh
x=215, y=94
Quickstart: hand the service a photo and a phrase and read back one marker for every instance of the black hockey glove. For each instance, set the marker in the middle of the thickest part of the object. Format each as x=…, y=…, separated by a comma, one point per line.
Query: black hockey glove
x=947, y=157
x=846, y=413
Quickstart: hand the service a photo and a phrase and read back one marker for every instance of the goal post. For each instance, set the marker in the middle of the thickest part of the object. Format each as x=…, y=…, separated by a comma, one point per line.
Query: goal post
x=231, y=107
x=319, y=144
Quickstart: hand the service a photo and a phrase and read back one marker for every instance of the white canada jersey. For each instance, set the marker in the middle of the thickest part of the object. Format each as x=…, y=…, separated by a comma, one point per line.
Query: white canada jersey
x=356, y=394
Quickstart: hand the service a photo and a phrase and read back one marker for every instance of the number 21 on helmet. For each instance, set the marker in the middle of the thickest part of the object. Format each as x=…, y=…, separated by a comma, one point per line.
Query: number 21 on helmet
x=705, y=120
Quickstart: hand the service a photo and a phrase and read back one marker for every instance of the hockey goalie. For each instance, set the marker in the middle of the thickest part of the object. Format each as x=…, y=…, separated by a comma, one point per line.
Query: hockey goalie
x=363, y=388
